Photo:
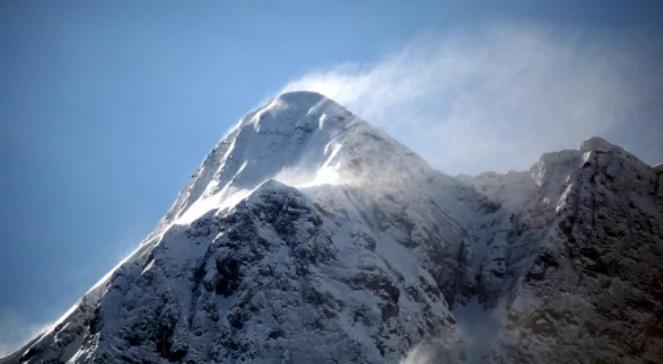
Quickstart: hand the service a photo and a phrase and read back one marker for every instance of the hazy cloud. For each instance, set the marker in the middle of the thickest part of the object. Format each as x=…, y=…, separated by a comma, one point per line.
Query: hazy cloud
x=495, y=99
x=16, y=330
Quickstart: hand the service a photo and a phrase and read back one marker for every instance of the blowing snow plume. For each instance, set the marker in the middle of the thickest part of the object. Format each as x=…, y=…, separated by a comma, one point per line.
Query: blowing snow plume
x=496, y=99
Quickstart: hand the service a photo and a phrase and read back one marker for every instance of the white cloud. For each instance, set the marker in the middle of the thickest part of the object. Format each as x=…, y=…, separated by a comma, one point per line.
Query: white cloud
x=495, y=99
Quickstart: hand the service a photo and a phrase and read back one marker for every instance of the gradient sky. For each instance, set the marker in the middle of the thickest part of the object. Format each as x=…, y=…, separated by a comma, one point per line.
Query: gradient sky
x=106, y=108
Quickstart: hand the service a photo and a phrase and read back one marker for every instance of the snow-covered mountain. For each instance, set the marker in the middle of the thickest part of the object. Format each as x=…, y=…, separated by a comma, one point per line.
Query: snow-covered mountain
x=309, y=236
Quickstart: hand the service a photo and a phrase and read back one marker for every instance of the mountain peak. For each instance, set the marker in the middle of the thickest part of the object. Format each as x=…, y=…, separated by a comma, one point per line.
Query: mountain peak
x=298, y=110
x=293, y=136
x=302, y=139
x=597, y=144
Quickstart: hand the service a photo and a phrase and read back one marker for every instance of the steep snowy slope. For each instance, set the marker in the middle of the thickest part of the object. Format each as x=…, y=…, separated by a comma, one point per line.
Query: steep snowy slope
x=305, y=236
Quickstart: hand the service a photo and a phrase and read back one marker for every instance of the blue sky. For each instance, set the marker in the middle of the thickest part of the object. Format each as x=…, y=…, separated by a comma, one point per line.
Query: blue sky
x=106, y=108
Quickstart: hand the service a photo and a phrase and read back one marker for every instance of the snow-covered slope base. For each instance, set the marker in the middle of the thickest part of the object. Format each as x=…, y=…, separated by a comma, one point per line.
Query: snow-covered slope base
x=308, y=236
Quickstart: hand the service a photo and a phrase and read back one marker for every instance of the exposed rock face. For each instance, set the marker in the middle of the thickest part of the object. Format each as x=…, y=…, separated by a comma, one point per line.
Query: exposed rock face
x=594, y=291
x=309, y=236
x=578, y=259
